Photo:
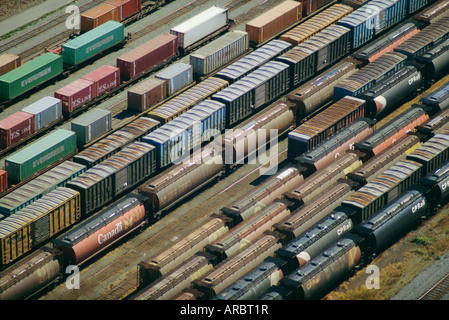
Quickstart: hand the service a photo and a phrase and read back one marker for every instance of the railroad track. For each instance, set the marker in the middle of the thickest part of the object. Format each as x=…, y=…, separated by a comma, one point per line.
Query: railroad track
x=438, y=290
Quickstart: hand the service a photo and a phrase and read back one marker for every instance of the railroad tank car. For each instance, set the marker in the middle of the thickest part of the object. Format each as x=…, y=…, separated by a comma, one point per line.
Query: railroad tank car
x=171, y=257
x=245, y=65
x=425, y=39
x=437, y=99
x=93, y=235
x=392, y=131
x=258, y=198
x=251, y=137
x=221, y=276
x=114, y=142
x=31, y=275
x=174, y=140
x=318, y=181
x=310, y=244
x=275, y=20
x=39, y=155
x=187, y=99
x=372, y=18
x=379, y=46
x=181, y=180
x=385, y=159
x=319, y=207
x=322, y=126
x=392, y=182
x=316, y=24
x=335, y=146
x=276, y=293
x=244, y=97
x=396, y=218
x=91, y=43
x=369, y=75
x=433, y=153
x=102, y=183
x=29, y=75
x=254, y=284
x=319, y=91
x=436, y=62
x=324, y=272
x=317, y=53
x=201, y=26
x=437, y=182
x=178, y=279
x=28, y=228
x=39, y=186
x=391, y=91
x=248, y=230
x=218, y=53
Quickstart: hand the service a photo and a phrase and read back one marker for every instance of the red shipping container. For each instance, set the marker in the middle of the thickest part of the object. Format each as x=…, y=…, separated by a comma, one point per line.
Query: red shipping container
x=75, y=94
x=104, y=78
x=126, y=7
x=16, y=127
x=148, y=55
x=146, y=94
x=3, y=180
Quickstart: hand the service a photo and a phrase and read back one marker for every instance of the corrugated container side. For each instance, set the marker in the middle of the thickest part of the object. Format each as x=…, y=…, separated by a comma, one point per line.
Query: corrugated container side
x=16, y=127
x=104, y=78
x=200, y=26
x=3, y=180
x=92, y=43
x=219, y=52
x=146, y=94
x=97, y=16
x=29, y=75
x=9, y=62
x=45, y=111
x=273, y=21
x=147, y=56
x=126, y=7
x=75, y=94
x=39, y=155
x=177, y=76
x=91, y=125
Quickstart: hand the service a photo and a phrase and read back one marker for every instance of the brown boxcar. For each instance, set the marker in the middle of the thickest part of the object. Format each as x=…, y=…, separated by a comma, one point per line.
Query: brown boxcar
x=15, y=127
x=104, y=78
x=273, y=21
x=146, y=94
x=126, y=7
x=148, y=55
x=99, y=15
x=75, y=94
x=9, y=62
x=3, y=180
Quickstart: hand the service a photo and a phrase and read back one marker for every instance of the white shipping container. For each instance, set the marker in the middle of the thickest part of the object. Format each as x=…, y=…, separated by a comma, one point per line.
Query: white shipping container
x=177, y=76
x=46, y=110
x=219, y=52
x=200, y=26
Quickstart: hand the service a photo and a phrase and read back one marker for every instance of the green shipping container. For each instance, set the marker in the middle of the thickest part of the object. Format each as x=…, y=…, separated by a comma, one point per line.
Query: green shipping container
x=29, y=75
x=40, y=154
x=93, y=42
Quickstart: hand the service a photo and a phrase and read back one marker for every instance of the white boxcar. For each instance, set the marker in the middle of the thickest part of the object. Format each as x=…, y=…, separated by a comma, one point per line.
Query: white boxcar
x=219, y=52
x=200, y=26
x=46, y=110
